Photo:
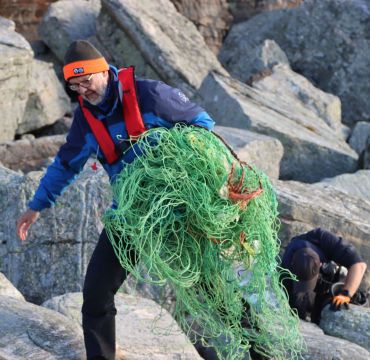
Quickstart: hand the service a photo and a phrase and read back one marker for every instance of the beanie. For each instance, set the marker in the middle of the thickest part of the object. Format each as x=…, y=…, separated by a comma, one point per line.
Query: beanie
x=83, y=58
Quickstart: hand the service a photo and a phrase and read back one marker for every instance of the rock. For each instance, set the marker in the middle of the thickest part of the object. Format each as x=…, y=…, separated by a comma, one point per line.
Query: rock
x=26, y=15
x=359, y=136
x=60, y=127
x=245, y=9
x=15, y=67
x=309, y=143
x=47, y=99
x=357, y=184
x=352, y=325
x=261, y=59
x=142, y=327
x=262, y=151
x=324, y=347
x=30, y=93
x=30, y=155
x=211, y=17
x=29, y=331
x=66, y=21
x=161, y=44
x=303, y=207
x=7, y=288
x=296, y=97
x=7, y=24
x=326, y=41
x=366, y=155
x=60, y=243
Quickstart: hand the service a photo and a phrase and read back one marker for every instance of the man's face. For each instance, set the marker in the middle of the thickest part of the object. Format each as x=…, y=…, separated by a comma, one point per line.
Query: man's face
x=93, y=86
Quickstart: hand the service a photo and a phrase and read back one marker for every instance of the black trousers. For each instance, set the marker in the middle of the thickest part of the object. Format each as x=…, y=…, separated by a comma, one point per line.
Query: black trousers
x=104, y=276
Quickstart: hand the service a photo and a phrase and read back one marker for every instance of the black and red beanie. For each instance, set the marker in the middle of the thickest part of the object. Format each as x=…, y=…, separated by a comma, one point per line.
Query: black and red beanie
x=83, y=58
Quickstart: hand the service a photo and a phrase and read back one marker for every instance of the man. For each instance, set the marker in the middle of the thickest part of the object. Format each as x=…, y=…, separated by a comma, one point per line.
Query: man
x=113, y=107
x=307, y=256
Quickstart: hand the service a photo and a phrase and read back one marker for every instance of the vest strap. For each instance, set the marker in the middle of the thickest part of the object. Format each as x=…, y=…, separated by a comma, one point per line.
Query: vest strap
x=130, y=105
x=131, y=116
x=101, y=134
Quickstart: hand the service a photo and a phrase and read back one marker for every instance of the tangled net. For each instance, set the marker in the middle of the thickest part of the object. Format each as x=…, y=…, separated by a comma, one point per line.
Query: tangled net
x=192, y=213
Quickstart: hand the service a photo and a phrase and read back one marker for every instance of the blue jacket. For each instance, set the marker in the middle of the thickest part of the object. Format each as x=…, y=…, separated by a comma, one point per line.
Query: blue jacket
x=160, y=105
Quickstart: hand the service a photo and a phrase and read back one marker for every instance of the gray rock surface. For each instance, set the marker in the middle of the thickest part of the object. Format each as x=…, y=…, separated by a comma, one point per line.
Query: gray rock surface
x=7, y=24
x=30, y=93
x=29, y=331
x=352, y=324
x=15, y=67
x=296, y=97
x=325, y=347
x=366, y=155
x=357, y=184
x=7, y=288
x=60, y=243
x=142, y=327
x=158, y=42
x=29, y=155
x=359, y=136
x=47, y=99
x=262, y=151
x=303, y=207
x=262, y=58
x=309, y=143
x=326, y=41
x=66, y=21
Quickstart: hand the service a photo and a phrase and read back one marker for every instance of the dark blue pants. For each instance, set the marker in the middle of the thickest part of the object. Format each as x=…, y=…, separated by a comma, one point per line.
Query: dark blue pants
x=104, y=276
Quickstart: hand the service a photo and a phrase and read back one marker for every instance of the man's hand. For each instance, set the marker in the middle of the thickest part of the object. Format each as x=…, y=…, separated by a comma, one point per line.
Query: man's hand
x=342, y=299
x=25, y=221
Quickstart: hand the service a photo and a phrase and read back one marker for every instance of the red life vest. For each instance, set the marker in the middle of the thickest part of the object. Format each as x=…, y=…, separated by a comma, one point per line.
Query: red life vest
x=131, y=116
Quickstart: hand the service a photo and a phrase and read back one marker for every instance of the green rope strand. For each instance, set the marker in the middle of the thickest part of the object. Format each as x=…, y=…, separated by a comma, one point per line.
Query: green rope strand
x=175, y=213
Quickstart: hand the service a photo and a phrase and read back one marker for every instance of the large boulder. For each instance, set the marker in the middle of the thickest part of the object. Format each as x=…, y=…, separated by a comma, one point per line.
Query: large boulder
x=352, y=324
x=66, y=21
x=30, y=154
x=16, y=57
x=47, y=100
x=303, y=207
x=357, y=184
x=53, y=259
x=7, y=288
x=30, y=93
x=28, y=331
x=143, y=329
x=262, y=151
x=309, y=143
x=325, y=347
x=296, y=97
x=161, y=44
x=326, y=41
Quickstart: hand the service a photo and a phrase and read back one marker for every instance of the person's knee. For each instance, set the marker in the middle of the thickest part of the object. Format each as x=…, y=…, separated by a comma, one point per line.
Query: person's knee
x=98, y=301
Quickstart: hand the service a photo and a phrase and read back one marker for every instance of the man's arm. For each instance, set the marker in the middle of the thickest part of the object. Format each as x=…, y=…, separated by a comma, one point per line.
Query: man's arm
x=354, y=277
x=69, y=161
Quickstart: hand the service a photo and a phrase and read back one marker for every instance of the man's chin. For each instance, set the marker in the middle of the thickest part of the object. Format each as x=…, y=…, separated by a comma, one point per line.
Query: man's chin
x=93, y=100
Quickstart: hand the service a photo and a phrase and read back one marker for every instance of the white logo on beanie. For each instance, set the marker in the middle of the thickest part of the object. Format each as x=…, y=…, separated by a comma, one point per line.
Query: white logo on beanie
x=79, y=70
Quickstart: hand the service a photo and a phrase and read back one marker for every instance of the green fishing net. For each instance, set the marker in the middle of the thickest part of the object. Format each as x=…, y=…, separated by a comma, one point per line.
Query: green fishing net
x=197, y=218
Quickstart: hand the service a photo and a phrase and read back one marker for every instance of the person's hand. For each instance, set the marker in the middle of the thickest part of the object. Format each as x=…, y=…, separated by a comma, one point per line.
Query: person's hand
x=25, y=221
x=340, y=300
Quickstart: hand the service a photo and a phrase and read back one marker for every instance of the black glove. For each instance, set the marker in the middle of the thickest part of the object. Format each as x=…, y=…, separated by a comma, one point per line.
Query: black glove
x=340, y=300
